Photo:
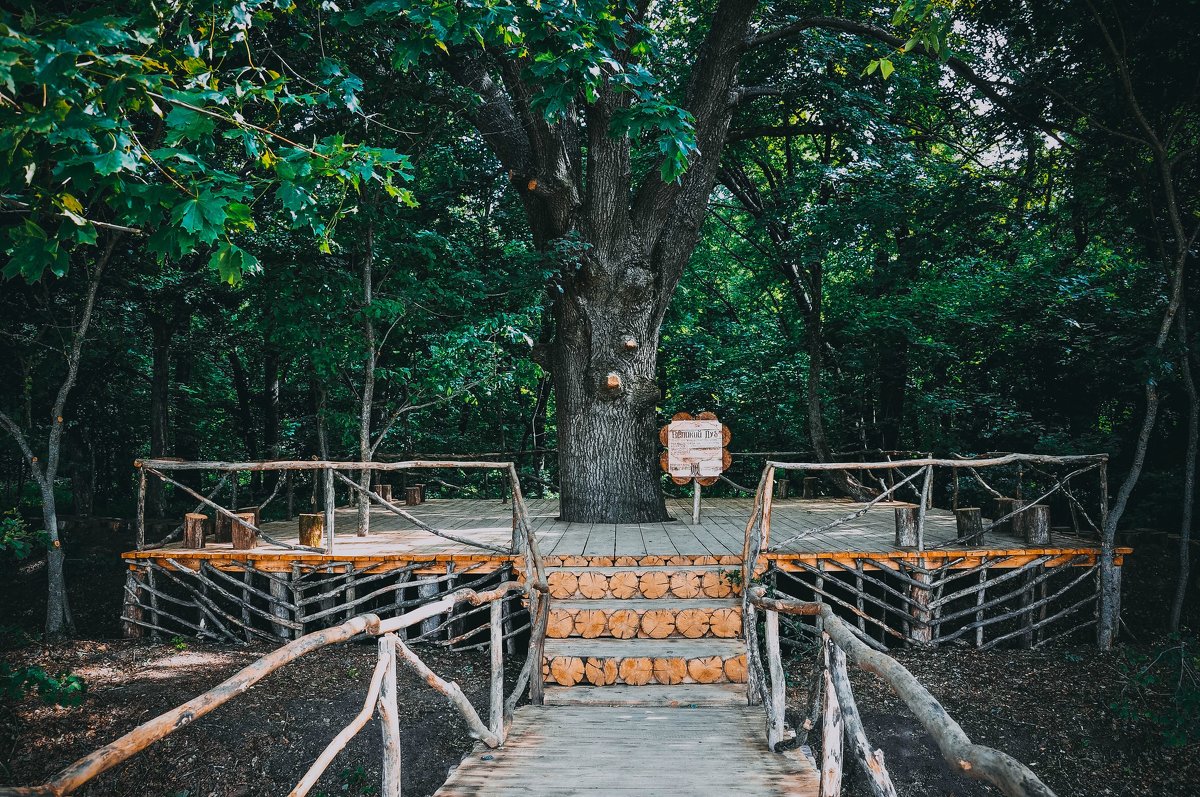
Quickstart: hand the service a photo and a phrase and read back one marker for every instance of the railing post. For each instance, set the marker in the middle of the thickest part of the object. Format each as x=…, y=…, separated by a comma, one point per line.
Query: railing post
x=389, y=720
x=926, y=485
x=330, y=506
x=831, y=729
x=776, y=709
x=140, y=516
x=496, y=713
x=768, y=494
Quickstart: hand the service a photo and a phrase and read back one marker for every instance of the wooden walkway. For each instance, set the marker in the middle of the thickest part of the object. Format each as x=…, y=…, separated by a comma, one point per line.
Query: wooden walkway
x=717, y=539
x=567, y=750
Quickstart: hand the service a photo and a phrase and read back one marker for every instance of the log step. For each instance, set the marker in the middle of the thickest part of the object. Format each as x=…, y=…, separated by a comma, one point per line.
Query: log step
x=680, y=581
x=651, y=619
x=601, y=662
x=678, y=696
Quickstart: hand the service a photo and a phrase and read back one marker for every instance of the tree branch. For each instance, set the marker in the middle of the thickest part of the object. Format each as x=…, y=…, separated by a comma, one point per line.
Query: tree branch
x=986, y=87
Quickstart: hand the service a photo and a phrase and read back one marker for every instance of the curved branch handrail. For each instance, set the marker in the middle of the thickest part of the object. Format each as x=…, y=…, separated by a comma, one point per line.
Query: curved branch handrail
x=151, y=731
x=964, y=756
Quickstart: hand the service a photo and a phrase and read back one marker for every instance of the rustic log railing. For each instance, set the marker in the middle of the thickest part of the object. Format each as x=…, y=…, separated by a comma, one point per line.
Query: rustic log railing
x=330, y=473
x=974, y=582
x=381, y=691
x=166, y=595
x=832, y=706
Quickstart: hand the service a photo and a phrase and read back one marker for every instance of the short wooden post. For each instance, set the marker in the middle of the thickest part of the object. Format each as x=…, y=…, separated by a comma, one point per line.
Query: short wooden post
x=248, y=581
x=429, y=590
x=1036, y=524
x=775, y=663
x=389, y=719
x=781, y=488
x=132, y=613
x=244, y=538
x=312, y=530
x=330, y=506
x=279, y=606
x=1005, y=506
x=810, y=486
x=496, y=708
x=412, y=496
x=384, y=491
x=420, y=492
x=906, y=527
x=922, y=625
x=401, y=580
x=969, y=521
x=831, y=732
x=193, y=530
x=980, y=598
x=298, y=599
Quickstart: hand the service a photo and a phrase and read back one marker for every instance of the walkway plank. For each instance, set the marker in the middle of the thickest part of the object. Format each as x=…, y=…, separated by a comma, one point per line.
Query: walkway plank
x=591, y=750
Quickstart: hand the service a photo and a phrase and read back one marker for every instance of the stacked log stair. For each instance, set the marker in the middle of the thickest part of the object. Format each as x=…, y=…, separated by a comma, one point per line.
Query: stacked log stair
x=646, y=631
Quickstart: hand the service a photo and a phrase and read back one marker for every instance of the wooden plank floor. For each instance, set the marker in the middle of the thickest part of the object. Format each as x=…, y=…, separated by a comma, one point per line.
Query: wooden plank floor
x=719, y=534
x=590, y=750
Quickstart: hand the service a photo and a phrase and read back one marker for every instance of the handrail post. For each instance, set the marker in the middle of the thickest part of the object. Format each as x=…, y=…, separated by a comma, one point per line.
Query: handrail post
x=768, y=493
x=140, y=517
x=496, y=713
x=330, y=506
x=389, y=720
x=776, y=710
x=926, y=485
x=831, y=729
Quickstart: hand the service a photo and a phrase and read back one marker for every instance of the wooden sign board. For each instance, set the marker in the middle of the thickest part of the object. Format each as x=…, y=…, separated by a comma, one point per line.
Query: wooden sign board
x=695, y=448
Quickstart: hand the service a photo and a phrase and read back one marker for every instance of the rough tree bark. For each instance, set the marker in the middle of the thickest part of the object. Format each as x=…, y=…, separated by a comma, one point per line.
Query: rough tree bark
x=625, y=246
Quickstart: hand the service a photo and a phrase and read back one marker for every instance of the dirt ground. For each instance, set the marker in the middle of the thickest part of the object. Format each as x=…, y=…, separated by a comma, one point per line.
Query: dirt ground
x=1051, y=709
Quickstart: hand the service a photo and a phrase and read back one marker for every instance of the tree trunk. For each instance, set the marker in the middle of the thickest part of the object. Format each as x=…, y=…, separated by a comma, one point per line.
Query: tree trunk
x=58, y=609
x=606, y=397
x=1189, y=474
x=241, y=385
x=366, y=450
x=270, y=403
x=162, y=331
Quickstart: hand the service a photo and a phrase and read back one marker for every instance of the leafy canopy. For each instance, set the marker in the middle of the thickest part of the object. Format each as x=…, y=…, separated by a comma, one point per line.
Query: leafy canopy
x=162, y=124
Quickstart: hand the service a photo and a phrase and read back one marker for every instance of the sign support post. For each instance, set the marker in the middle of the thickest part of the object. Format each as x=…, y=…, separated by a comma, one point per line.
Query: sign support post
x=695, y=502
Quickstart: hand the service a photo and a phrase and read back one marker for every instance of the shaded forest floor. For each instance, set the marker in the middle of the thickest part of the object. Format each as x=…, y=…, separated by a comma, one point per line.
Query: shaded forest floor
x=1052, y=709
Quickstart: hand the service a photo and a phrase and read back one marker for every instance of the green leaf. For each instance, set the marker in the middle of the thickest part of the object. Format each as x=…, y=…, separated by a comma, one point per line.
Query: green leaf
x=885, y=68
x=203, y=216
x=231, y=262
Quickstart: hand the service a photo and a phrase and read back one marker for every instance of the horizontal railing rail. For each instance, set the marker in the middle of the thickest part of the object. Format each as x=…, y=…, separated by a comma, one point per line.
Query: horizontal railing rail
x=832, y=705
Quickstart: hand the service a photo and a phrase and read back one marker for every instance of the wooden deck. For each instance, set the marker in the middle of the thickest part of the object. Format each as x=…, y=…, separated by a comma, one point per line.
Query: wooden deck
x=717, y=539
x=565, y=750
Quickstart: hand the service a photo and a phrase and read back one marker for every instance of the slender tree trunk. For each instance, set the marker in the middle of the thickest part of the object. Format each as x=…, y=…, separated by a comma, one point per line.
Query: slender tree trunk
x=162, y=331
x=58, y=609
x=241, y=386
x=366, y=450
x=270, y=403
x=1189, y=474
